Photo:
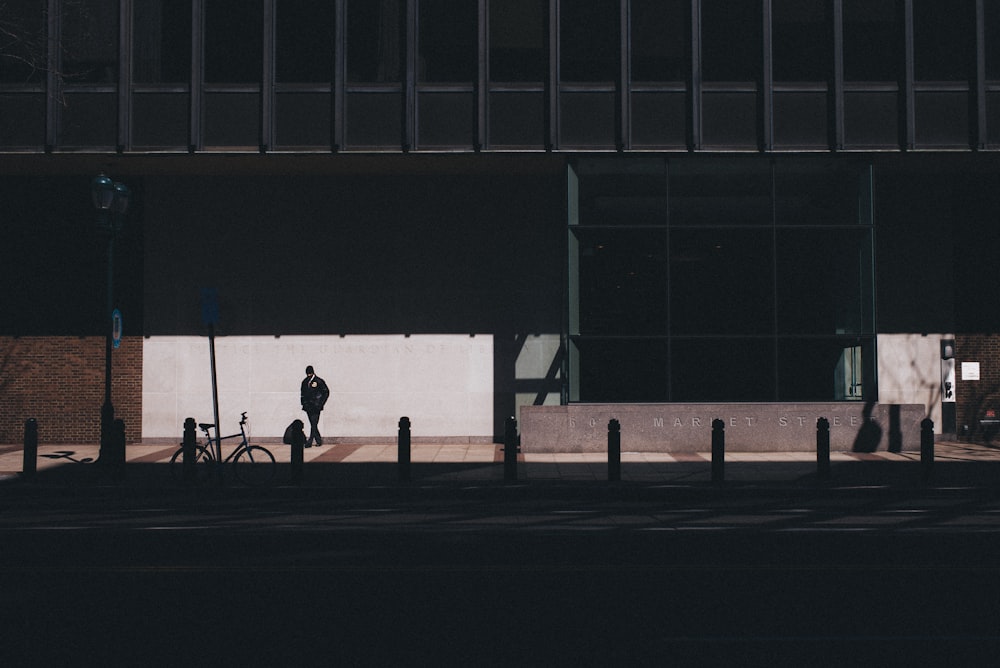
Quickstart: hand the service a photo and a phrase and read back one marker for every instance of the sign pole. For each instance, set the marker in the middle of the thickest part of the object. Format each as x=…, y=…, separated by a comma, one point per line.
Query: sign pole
x=209, y=316
x=215, y=396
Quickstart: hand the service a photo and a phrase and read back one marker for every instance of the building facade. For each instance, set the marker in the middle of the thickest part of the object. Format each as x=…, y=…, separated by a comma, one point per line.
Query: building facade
x=453, y=208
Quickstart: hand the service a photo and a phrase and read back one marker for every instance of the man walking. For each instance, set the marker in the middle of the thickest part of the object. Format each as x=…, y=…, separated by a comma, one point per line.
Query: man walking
x=314, y=394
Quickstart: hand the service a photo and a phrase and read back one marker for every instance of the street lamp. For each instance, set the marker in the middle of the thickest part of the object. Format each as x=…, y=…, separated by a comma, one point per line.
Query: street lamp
x=111, y=201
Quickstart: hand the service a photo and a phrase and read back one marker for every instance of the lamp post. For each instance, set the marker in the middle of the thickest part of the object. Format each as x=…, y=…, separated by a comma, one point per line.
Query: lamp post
x=111, y=201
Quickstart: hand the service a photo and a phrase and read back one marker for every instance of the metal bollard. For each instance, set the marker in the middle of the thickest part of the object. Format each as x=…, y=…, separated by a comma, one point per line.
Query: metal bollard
x=30, y=464
x=298, y=446
x=927, y=449
x=510, y=449
x=718, y=451
x=614, y=450
x=823, y=449
x=118, y=450
x=403, y=447
x=188, y=452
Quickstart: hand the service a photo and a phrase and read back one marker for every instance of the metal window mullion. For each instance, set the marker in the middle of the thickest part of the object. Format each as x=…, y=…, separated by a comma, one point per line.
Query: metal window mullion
x=482, y=137
x=339, y=75
x=267, y=78
x=410, y=85
x=197, y=73
x=53, y=82
x=909, y=96
x=624, y=89
x=125, y=13
x=696, y=106
x=979, y=99
x=838, y=74
x=767, y=80
x=552, y=142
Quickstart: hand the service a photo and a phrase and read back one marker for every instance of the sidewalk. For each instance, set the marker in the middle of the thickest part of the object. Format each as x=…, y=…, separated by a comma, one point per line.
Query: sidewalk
x=366, y=465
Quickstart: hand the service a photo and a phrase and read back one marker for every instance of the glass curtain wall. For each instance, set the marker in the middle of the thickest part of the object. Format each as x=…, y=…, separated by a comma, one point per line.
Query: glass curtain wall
x=720, y=280
x=161, y=74
x=23, y=63
x=505, y=75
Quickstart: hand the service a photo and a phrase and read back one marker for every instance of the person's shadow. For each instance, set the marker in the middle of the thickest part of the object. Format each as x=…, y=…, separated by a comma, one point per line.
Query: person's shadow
x=870, y=434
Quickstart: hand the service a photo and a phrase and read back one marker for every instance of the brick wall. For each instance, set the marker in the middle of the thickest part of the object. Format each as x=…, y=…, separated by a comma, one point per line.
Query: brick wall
x=974, y=397
x=59, y=381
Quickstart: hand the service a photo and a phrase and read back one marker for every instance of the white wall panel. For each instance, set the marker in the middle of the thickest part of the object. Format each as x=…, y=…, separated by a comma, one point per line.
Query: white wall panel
x=443, y=383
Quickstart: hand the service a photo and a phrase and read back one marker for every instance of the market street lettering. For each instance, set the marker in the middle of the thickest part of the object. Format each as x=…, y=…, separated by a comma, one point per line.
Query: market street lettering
x=732, y=421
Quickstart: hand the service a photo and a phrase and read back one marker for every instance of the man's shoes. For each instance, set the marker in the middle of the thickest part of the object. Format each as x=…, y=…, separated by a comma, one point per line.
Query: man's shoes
x=319, y=442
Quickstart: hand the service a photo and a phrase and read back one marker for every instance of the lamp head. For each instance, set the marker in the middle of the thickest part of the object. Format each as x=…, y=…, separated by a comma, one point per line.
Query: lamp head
x=102, y=191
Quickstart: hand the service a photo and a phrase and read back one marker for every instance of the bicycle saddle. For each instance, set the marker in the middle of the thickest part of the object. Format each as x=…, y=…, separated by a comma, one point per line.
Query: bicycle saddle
x=205, y=425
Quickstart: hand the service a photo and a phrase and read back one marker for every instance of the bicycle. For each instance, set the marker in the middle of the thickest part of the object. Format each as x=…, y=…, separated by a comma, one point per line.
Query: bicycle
x=253, y=465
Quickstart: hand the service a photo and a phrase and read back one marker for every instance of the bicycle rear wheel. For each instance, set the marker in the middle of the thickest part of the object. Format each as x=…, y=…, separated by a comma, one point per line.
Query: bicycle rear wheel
x=255, y=466
x=202, y=465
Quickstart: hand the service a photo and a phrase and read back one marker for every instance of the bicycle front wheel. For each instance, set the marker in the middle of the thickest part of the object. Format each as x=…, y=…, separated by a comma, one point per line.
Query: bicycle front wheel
x=202, y=470
x=255, y=466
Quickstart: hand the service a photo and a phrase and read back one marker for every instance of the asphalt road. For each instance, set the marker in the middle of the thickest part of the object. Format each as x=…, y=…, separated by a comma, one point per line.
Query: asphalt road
x=501, y=575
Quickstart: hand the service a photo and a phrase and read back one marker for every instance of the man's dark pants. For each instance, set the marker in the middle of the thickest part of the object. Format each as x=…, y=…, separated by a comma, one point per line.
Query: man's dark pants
x=314, y=428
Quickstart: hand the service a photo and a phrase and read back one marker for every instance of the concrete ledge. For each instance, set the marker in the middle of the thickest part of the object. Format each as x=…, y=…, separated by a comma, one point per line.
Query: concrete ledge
x=749, y=427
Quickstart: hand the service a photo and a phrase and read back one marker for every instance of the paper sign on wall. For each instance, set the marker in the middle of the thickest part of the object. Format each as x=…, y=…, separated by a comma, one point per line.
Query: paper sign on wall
x=970, y=370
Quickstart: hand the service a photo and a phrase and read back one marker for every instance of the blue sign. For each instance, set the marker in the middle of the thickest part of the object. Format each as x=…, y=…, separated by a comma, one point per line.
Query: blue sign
x=116, y=328
x=209, y=306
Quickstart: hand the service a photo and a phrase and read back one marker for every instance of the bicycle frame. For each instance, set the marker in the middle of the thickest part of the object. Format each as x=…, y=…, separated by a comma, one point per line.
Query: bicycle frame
x=215, y=443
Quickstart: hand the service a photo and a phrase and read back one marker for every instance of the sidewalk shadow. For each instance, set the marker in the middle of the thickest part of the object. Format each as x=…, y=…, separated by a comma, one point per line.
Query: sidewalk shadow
x=82, y=473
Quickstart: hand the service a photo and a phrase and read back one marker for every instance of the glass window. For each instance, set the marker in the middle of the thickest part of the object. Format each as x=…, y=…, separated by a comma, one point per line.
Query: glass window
x=302, y=119
x=729, y=119
x=517, y=40
x=374, y=120
x=871, y=119
x=23, y=43
x=447, y=41
x=622, y=281
x=991, y=12
x=721, y=281
x=621, y=370
x=622, y=192
x=800, y=119
x=942, y=119
x=233, y=42
x=161, y=42
x=821, y=286
x=661, y=40
x=819, y=192
x=90, y=41
x=445, y=119
x=944, y=40
x=304, y=41
x=161, y=120
x=375, y=41
x=659, y=119
x=745, y=309
x=824, y=369
x=731, y=40
x=802, y=40
x=232, y=119
x=587, y=119
x=731, y=369
x=873, y=48
x=589, y=40
x=89, y=119
x=517, y=119
x=720, y=193
x=22, y=122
